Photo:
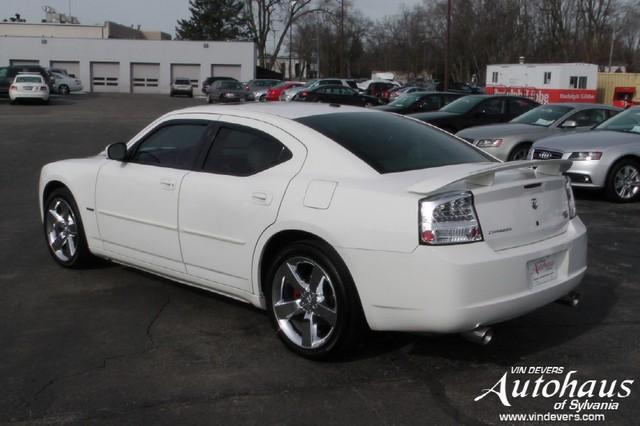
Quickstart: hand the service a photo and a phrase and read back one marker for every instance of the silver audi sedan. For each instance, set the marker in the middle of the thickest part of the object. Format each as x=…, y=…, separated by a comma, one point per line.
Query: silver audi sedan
x=512, y=141
x=606, y=158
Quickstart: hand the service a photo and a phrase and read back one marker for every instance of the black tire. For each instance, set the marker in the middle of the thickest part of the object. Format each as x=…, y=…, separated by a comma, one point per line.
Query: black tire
x=46, y=102
x=12, y=102
x=63, y=89
x=82, y=257
x=209, y=100
x=610, y=188
x=520, y=152
x=349, y=323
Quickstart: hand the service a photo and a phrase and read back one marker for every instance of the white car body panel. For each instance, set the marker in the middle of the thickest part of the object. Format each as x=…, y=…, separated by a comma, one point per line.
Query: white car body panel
x=74, y=84
x=368, y=218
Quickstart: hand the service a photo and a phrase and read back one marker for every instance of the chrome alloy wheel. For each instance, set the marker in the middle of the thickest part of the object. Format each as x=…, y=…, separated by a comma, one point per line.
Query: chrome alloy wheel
x=627, y=182
x=304, y=302
x=62, y=229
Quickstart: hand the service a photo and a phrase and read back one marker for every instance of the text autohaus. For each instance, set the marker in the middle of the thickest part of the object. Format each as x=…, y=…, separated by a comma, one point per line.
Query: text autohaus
x=579, y=394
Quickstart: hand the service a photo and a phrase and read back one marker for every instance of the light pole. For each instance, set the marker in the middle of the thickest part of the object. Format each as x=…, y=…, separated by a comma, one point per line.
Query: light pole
x=293, y=4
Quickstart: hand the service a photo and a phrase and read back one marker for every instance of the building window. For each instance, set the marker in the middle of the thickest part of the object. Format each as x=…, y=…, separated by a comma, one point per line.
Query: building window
x=573, y=82
x=578, y=82
x=494, y=77
x=582, y=82
x=547, y=77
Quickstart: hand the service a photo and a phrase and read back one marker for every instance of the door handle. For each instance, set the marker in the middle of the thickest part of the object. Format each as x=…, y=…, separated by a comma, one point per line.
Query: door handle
x=261, y=198
x=168, y=184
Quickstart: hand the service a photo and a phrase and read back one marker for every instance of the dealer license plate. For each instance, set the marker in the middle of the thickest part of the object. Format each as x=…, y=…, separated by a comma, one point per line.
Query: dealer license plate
x=542, y=270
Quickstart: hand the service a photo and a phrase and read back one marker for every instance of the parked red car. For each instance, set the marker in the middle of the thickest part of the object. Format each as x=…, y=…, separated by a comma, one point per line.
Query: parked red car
x=274, y=93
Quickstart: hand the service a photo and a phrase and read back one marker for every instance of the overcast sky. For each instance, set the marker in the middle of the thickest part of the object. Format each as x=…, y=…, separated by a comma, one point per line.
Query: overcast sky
x=150, y=14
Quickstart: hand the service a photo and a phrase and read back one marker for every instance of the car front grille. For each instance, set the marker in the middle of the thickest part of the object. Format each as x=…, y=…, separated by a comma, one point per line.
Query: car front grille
x=545, y=154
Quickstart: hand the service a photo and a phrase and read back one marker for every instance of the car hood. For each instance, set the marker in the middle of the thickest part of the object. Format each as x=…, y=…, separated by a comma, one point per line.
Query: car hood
x=433, y=116
x=593, y=140
x=504, y=130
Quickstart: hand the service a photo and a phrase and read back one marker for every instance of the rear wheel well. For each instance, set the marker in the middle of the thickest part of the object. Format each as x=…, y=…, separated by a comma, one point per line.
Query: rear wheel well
x=50, y=187
x=277, y=243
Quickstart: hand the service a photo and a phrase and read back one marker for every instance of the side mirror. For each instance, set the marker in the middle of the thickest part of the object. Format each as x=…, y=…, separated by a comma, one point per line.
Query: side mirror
x=117, y=151
x=569, y=124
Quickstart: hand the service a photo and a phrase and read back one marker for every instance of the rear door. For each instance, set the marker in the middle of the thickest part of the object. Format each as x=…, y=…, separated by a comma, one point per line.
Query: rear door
x=137, y=200
x=228, y=203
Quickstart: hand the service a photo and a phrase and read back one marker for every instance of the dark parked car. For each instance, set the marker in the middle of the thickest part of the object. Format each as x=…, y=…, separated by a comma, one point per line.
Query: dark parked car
x=476, y=110
x=460, y=87
x=210, y=80
x=420, y=102
x=335, y=94
x=7, y=74
x=228, y=91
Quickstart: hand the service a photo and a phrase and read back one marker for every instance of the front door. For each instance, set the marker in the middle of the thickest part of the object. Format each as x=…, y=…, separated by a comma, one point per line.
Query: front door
x=225, y=207
x=137, y=200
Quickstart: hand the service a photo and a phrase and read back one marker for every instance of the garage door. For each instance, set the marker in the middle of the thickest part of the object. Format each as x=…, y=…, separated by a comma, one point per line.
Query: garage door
x=226, y=71
x=15, y=62
x=192, y=72
x=72, y=67
x=105, y=76
x=145, y=78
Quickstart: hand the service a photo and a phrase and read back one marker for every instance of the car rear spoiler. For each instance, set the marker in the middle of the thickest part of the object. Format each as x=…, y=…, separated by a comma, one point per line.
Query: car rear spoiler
x=486, y=176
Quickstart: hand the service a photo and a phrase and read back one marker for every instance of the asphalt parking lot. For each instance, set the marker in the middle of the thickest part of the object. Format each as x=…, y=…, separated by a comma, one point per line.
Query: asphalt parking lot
x=111, y=345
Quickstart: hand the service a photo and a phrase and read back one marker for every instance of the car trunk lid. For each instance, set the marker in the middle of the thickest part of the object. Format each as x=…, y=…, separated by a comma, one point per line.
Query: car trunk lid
x=517, y=203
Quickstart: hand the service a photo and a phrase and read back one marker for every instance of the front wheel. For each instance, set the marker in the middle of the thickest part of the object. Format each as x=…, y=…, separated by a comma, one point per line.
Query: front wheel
x=520, y=152
x=312, y=301
x=623, y=182
x=63, y=230
x=64, y=89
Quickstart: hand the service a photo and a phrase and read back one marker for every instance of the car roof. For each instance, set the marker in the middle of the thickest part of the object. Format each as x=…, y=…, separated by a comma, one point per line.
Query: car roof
x=578, y=105
x=288, y=110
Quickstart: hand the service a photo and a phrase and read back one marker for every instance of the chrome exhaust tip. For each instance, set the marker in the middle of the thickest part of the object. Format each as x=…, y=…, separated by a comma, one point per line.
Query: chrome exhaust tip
x=481, y=335
x=572, y=299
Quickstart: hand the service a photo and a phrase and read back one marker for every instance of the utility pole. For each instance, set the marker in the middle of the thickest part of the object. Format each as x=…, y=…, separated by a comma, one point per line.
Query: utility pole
x=341, y=37
x=446, y=47
x=613, y=40
x=293, y=4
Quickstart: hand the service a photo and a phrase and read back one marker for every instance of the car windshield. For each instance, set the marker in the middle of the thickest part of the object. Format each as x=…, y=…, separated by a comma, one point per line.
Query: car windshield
x=28, y=79
x=544, y=115
x=231, y=85
x=404, y=101
x=463, y=105
x=627, y=121
x=390, y=143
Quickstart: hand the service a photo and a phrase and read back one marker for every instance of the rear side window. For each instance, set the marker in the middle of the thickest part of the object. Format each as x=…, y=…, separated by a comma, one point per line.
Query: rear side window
x=390, y=144
x=176, y=146
x=240, y=152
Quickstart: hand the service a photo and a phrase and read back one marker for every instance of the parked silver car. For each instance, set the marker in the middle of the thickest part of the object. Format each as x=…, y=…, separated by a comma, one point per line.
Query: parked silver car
x=606, y=158
x=512, y=141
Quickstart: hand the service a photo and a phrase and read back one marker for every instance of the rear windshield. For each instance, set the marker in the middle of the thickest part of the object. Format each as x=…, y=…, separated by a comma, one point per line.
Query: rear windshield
x=390, y=143
x=183, y=82
x=544, y=115
x=232, y=85
x=26, y=79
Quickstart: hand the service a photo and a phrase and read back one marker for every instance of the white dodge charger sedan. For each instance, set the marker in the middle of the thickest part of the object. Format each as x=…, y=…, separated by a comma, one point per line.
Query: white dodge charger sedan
x=331, y=218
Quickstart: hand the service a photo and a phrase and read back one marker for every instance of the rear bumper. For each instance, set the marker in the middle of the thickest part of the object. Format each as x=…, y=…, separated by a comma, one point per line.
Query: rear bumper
x=452, y=289
x=29, y=95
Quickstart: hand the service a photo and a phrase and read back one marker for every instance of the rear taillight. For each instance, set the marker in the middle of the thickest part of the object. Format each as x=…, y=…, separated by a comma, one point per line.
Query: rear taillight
x=304, y=94
x=43, y=88
x=13, y=87
x=571, y=201
x=449, y=218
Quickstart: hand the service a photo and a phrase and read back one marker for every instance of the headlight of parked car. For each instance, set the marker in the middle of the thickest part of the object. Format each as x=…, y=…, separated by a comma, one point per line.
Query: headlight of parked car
x=449, y=218
x=489, y=143
x=585, y=156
